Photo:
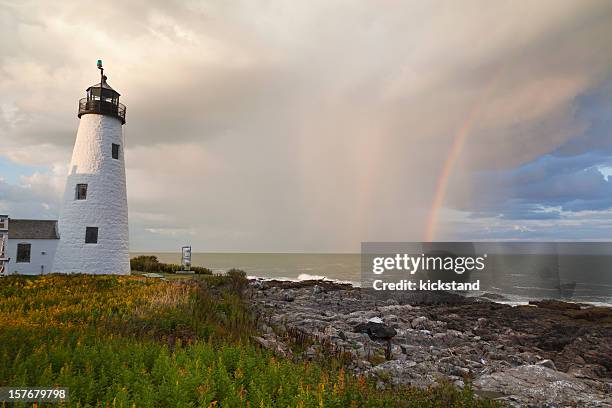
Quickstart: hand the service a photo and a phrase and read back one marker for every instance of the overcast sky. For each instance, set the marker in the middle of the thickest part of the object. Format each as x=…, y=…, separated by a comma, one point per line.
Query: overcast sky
x=313, y=126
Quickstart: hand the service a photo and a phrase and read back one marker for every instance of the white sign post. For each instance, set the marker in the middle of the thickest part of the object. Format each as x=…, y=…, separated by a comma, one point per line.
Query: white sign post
x=186, y=258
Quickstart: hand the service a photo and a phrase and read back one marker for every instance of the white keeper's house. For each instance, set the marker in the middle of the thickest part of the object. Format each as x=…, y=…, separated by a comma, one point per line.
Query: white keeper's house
x=27, y=246
x=91, y=235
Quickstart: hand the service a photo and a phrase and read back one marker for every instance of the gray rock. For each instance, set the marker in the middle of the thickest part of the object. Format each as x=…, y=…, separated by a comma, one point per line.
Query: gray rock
x=266, y=329
x=330, y=331
x=270, y=342
x=376, y=330
x=311, y=352
x=420, y=323
x=460, y=371
x=428, y=341
x=539, y=385
x=547, y=363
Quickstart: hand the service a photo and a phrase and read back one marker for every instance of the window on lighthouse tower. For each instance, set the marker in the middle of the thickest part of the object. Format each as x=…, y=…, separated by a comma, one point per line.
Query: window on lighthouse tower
x=81, y=191
x=116, y=151
x=91, y=235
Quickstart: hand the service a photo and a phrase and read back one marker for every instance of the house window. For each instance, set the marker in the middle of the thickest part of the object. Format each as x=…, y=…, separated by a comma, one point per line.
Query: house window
x=91, y=235
x=23, y=253
x=115, y=151
x=81, y=191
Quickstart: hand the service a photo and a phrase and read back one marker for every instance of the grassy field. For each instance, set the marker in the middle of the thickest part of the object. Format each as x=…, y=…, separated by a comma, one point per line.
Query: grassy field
x=137, y=342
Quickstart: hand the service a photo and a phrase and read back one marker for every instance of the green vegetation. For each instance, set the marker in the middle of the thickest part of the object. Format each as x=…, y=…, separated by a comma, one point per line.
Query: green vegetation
x=150, y=263
x=136, y=342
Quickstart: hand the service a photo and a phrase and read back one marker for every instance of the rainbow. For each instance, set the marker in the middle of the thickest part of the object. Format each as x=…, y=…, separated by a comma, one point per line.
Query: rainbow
x=451, y=159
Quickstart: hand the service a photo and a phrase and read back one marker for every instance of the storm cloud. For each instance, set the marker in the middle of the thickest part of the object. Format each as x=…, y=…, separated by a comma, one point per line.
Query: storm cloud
x=275, y=126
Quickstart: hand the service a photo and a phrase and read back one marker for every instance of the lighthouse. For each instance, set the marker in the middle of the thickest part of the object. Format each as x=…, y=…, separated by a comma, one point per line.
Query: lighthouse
x=93, y=224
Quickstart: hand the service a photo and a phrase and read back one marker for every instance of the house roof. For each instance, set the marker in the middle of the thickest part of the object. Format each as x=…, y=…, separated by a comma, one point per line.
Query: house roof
x=32, y=229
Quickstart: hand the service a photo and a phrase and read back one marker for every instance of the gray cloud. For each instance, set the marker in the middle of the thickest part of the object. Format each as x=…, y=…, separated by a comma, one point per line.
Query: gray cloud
x=32, y=200
x=307, y=126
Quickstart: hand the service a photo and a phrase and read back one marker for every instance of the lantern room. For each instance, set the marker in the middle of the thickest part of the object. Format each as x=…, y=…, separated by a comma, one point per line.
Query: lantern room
x=102, y=99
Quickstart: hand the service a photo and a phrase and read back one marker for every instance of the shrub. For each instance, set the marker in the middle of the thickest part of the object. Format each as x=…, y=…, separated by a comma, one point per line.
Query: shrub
x=145, y=263
x=238, y=280
x=150, y=263
x=201, y=270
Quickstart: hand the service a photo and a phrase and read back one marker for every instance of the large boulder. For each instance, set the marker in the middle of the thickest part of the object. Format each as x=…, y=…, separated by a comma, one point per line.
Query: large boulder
x=376, y=331
x=538, y=385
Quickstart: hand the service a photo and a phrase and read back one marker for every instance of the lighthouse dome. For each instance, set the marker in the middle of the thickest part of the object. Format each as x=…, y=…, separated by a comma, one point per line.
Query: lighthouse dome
x=102, y=99
x=103, y=88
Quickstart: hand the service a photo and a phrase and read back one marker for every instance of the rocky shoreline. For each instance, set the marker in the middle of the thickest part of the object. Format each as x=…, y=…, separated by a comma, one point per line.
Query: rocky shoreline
x=546, y=354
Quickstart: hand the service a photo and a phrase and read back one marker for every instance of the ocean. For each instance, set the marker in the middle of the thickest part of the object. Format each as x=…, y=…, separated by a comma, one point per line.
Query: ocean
x=579, y=278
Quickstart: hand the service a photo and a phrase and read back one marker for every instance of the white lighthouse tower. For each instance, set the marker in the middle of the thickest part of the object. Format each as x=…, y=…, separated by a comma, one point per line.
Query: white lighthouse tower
x=93, y=224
